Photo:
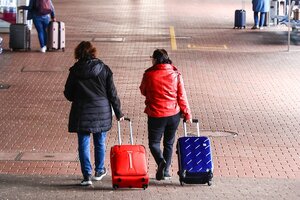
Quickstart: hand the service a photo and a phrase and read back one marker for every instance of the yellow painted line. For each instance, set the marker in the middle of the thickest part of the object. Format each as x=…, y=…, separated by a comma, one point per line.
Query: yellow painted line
x=173, y=38
x=212, y=47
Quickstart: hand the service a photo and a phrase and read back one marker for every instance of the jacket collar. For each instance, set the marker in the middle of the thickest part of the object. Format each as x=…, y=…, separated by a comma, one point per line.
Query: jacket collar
x=162, y=67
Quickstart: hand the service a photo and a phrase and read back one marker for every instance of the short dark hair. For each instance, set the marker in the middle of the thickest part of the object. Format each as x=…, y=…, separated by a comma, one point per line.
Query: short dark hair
x=161, y=56
x=85, y=50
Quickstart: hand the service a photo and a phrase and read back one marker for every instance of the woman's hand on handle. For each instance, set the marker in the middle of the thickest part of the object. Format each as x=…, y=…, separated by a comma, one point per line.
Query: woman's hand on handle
x=189, y=121
x=121, y=119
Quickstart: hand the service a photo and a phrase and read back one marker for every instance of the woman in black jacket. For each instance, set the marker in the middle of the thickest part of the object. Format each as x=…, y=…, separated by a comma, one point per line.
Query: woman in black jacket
x=93, y=94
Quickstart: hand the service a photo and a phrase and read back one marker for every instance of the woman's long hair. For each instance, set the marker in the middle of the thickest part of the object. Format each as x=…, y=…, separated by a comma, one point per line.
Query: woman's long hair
x=85, y=50
x=161, y=57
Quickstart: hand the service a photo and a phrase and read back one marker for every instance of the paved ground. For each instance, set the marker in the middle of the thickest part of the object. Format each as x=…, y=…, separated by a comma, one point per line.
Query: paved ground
x=66, y=187
x=243, y=85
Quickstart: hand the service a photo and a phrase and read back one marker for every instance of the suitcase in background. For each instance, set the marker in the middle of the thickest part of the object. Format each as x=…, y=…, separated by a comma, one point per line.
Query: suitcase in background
x=194, y=158
x=128, y=164
x=240, y=19
x=1, y=49
x=19, y=33
x=19, y=37
x=56, y=36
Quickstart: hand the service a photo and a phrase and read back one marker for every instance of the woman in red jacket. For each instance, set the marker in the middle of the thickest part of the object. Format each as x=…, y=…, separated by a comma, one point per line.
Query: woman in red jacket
x=166, y=101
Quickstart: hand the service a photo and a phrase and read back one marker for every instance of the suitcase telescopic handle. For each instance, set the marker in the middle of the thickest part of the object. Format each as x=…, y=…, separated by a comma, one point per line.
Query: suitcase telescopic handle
x=119, y=131
x=196, y=121
x=24, y=14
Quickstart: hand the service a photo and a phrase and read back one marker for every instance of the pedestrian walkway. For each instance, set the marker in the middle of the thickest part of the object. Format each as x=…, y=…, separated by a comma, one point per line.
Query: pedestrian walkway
x=242, y=85
x=67, y=187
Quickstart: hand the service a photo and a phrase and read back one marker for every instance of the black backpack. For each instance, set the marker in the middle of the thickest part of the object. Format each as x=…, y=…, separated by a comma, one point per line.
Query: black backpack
x=43, y=7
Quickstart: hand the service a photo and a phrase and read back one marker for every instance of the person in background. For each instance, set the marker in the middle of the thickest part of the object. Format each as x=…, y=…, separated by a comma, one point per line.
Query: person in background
x=166, y=101
x=91, y=89
x=41, y=20
x=262, y=7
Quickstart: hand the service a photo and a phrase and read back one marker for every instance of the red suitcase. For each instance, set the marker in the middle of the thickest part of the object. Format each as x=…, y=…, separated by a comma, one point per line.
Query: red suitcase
x=128, y=164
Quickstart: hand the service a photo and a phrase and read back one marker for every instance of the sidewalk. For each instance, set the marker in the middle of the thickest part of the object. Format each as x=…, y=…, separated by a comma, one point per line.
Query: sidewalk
x=242, y=85
x=67, y=187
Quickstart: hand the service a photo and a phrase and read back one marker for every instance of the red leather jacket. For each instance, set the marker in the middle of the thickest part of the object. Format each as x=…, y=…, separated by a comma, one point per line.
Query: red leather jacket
x=163, y=87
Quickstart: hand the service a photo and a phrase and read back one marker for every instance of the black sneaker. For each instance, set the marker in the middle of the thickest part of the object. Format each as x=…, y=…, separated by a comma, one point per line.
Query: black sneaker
x=167, y=176
x=99, y=175
x=160, y=170
x=86, y=181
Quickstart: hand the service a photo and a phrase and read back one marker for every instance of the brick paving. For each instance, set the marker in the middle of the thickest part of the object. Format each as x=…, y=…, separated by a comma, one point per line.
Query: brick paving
x=237, y=81
x=66, y=187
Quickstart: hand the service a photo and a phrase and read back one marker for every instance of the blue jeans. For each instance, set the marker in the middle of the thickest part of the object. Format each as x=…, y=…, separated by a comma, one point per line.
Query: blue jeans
x=158, y=127
x=41, y=24
x=261, y=20
x=84, y=152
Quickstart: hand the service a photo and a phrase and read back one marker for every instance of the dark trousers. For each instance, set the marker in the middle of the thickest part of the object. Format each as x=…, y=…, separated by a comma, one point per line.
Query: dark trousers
x=261, y=20
x=162, y=127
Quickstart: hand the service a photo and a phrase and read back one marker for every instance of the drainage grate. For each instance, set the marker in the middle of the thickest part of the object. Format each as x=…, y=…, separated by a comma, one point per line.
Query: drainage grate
x=8, y=156
x=109, y=39
x=4, y=86
x=29, y=156
x=210, y=133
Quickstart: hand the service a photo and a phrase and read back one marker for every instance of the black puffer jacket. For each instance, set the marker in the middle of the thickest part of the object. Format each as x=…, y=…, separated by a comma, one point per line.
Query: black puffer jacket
x=91, y=90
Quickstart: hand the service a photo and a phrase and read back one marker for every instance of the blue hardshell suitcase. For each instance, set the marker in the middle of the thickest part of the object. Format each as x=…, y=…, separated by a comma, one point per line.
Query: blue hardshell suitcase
x=240, y=19
x=194, y=158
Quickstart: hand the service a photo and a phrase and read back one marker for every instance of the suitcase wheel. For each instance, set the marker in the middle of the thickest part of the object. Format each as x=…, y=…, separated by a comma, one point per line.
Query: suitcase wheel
x=145, y=186
x=181, y=183
x=209, y=183
x=63, y=49
x=115, y=186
